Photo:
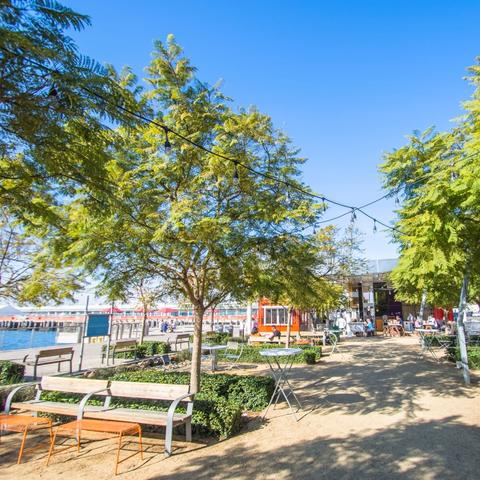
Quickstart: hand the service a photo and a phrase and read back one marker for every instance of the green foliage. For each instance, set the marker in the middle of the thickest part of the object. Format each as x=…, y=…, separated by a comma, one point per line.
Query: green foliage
x=252, y=354
x=145, y=349
x=213, y=338
x=473, y=356
x=439, y=219
x=11, y=372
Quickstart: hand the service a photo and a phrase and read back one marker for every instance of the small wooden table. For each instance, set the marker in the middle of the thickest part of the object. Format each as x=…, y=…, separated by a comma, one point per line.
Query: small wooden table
x=104, y=426
x=24, y=424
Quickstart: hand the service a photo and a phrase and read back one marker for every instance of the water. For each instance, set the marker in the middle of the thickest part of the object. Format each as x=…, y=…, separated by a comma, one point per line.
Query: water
x=16, y=339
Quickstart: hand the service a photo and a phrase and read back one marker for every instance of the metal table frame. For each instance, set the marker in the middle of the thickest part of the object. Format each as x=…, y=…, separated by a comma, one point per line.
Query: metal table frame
x=427, y=346
x=213, y=354
x=282, y=385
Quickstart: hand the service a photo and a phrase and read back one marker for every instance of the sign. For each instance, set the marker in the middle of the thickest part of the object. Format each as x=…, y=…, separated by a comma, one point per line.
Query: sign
x=97, y=325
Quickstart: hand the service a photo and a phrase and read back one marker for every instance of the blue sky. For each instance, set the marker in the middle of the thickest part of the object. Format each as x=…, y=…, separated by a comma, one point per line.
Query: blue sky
x=346, y=80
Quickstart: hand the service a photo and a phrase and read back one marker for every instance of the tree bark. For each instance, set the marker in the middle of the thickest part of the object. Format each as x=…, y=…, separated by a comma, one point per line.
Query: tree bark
x=197, y=350
x=289, y=317
x=144, y=323
x=422, y=304
x=462, y=344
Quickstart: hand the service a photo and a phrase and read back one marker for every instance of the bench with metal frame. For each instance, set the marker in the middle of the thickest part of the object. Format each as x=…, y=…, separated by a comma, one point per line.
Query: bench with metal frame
x=49, y=357
x=173, y=394
x=119, y=347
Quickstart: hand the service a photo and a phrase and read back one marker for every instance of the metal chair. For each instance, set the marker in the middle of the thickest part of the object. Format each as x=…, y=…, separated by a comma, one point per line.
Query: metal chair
x=333, y=340
x=236, y=350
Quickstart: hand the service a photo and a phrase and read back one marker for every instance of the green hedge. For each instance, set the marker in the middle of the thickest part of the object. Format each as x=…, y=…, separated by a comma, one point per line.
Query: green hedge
x=251, y=353
x=473, y=356
x=218, y=407
x=146, y=349
x=11, y=372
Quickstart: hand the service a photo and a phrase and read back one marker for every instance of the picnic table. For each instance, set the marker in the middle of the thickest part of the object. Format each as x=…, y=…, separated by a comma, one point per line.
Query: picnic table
x=394, y=330
x=283, y=387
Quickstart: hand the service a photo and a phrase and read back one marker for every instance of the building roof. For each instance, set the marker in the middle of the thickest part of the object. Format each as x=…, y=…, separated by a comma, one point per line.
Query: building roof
x=383, y=265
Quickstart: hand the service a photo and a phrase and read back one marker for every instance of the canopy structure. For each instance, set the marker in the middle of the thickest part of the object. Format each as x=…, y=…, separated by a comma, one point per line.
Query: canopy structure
x=113, y=310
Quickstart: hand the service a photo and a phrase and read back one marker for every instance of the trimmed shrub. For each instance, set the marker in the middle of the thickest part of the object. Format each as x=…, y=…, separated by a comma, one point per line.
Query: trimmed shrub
x=251, y=353
x=11, y=372
x=146, y=349
x=473, y=356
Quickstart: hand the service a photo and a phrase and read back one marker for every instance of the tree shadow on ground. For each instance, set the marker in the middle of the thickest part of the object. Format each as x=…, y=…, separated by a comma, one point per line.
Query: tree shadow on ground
x=380, y=377
x=433, y=450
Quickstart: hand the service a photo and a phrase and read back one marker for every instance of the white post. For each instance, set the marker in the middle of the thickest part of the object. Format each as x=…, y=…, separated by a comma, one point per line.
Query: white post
x=248, y=321
x=110, y=320
x=84, y=330
x=289, y=315
x=462, y=344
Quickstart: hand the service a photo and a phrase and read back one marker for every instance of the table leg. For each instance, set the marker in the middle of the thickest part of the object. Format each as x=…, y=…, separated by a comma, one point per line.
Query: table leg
x=213, y=353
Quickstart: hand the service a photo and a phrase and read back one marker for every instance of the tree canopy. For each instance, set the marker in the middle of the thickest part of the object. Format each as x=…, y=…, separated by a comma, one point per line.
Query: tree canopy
x=439, y=220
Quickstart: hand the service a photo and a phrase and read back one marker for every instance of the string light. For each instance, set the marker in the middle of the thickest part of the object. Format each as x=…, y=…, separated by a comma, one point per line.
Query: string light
x=52, y=93
x=397, y=201
x=324, y=205
x=236, y=176
x=374, y=226
x=354, y=216
x=219, y=155
x=167, y=145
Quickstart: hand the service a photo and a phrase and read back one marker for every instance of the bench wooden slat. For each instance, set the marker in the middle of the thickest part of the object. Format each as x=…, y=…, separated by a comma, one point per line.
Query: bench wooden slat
x=125, y=343
x=150, y=391
x=134, y=415
x=59, y=408
x=52, y=352
x=73, y=385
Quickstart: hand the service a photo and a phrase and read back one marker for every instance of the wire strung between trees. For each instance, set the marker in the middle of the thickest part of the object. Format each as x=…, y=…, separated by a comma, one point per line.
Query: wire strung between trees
x=237, y=163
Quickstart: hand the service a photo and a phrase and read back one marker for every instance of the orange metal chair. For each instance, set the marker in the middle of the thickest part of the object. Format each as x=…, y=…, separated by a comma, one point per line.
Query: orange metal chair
x=24, y=424
x=103, y=426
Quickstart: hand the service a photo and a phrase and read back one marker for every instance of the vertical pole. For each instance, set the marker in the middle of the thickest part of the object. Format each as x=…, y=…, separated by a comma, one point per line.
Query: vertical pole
x=83, y=332
x=289, y=315
x=462, y=344
x=422, y=305
x=248, y=321
x=110, y=320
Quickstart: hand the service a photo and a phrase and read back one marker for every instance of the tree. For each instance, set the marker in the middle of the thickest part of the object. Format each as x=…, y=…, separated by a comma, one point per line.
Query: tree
x=52, y=131
x=203, y=227
x=439, y=222
x=27, y=272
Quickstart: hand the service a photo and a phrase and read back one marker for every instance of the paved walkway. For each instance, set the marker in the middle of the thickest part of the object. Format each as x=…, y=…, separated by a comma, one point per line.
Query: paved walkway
x=377, y=410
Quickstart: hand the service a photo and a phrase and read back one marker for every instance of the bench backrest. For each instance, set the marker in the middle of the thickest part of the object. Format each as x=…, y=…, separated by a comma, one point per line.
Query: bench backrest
x=73, y=385
x=148, y=391
x=55, y=352
x=125, y=343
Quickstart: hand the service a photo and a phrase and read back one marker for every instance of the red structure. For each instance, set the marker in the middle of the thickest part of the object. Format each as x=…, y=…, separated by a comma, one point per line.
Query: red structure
x=270, y=315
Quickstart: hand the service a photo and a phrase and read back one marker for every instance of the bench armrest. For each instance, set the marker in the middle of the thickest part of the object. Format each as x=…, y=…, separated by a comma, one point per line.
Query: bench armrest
x=9, y=400
x=174, y=405
x=85, y=399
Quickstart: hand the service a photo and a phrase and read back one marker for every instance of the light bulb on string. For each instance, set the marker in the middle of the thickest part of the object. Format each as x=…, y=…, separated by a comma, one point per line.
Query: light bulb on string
x=167, y=145
x=53, y=92
x=236, y=175
x=324, y=206
x=374, y=226
x=397, y=200
x=354, y=216
x=314, y=229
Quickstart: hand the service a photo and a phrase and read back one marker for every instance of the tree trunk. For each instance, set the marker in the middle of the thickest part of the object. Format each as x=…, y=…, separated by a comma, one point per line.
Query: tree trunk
x=462, y=344
x=212, y=318
x=144, y=324
x=422, y=305
x=289, y=317
x=197, y=350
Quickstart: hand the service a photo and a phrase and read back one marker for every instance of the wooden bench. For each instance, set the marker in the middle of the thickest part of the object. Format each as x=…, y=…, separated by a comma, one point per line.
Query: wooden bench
x=179, y=339
x=121, y=346
x=253, y=339
x=49, y=357
x=173, y=394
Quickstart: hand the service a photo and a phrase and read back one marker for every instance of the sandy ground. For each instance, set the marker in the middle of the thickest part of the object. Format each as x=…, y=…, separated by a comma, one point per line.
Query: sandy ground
x=376, y=410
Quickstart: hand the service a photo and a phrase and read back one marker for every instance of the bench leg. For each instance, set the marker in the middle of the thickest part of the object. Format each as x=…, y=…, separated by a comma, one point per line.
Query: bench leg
x=71, y=365
x=35, y=371
x=140, y=445
x=188, y=430
x=168, y=438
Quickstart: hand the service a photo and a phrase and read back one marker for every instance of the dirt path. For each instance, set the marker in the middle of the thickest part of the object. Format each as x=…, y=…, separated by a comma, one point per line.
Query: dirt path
x=377, y=410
